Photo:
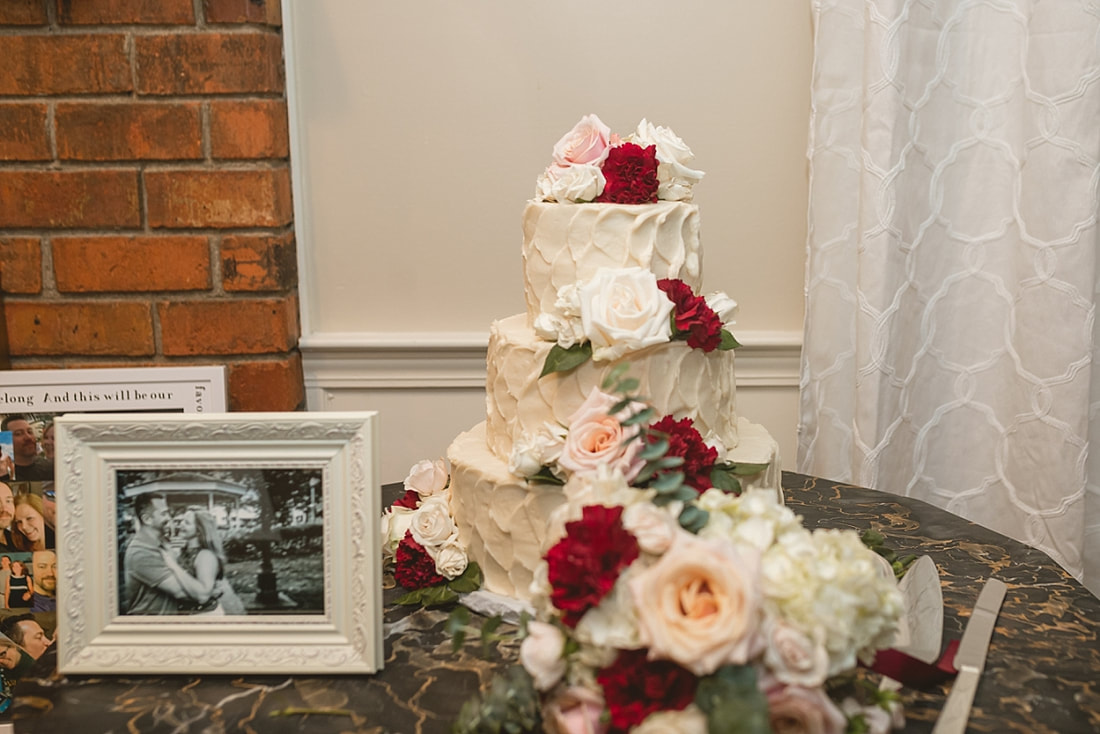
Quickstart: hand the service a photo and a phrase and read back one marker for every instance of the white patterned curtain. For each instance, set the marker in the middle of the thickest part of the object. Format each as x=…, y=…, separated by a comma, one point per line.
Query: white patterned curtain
x=950, y=349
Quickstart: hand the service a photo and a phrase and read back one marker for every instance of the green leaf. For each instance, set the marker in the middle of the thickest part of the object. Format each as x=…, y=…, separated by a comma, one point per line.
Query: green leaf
x=667, y=483
x=693, y=519
x=655, y=450
x=728, y=342
x=456, y=627
x=545, y=476
x=563, y=360
x=437, y=595
x=748, y=470
x=724, y=480
x=642, y=416
x=732, y=702
x=411, y=598
x=670, y=462
x=613, y=376
x=646, y=474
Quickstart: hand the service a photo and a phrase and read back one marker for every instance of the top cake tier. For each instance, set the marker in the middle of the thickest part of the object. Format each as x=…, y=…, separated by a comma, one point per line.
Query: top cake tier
x=565, y=244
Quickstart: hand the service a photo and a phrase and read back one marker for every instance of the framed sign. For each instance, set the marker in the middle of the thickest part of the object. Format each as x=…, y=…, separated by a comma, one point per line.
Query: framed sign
x=198, y=389
x=229, y=543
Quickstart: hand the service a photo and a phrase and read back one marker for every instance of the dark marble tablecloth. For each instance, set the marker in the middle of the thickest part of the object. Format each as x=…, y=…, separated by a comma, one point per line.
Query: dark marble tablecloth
x=1042, y=674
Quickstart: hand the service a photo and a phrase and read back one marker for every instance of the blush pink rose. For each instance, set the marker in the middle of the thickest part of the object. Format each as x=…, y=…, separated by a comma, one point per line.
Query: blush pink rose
x=797, y=710
x=576, y=710
x=699, y=604
x=587, y=143
x=596, y=438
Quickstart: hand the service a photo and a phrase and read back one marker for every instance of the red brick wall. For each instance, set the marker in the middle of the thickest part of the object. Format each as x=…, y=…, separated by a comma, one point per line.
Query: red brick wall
x=145, y=203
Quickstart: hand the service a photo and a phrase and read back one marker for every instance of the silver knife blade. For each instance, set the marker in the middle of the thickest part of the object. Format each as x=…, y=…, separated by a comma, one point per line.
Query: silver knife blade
x=970, y=658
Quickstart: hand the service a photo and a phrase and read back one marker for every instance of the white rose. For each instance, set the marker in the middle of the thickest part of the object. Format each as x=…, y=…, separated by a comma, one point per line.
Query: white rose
x=532, y=452
x=690, y=720
x=793, y=656
x=570, y=184
x=396, y=521
x=432, y=525
x=722, y=305
x=541, y=654
x=427, y=477
x=450, y=559
x=623, y=310
x=652, y=526
x=675, y=180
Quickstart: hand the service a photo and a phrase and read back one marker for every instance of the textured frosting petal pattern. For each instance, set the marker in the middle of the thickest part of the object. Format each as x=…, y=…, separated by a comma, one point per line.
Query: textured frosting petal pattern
x=566, y=244
x=677, y=380
x=505, y=523
x=502, y=520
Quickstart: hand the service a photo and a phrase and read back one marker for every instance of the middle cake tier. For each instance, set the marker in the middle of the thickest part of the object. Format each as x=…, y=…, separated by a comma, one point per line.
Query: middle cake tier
x=676, y=379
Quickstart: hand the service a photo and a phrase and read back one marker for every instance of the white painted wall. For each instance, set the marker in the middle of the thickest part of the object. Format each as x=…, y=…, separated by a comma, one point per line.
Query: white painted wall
x=418, y=130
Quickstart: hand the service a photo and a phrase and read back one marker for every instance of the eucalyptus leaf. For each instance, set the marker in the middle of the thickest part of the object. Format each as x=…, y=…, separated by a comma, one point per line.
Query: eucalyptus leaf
x=613, y=376
x=647, y=473
x=642, y=416
x=732, y=702
x=563, y=360
x=655, y=450
x=724, y=480
x=669, y=462
x=668, y=482
x=693, y=519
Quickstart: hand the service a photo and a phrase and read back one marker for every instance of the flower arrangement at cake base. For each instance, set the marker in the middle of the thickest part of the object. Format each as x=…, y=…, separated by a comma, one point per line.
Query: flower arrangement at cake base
x=420, y=539
x=644, y=626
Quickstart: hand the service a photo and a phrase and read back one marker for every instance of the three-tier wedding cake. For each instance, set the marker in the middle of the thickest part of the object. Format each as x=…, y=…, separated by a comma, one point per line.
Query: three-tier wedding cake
x=612, y=266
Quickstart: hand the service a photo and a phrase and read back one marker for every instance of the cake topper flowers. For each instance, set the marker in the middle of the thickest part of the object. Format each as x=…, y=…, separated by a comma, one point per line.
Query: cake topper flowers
x=591, y=164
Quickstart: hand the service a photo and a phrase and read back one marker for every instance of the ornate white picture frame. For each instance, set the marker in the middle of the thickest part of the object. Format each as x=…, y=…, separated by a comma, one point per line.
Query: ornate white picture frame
x=100, y=460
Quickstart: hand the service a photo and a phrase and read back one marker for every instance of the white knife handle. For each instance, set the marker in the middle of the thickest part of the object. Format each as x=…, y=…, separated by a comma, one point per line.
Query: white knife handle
x=956, y=711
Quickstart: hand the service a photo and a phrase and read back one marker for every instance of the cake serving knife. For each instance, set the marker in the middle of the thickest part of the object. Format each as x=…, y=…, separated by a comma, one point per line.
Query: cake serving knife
x=970, y=659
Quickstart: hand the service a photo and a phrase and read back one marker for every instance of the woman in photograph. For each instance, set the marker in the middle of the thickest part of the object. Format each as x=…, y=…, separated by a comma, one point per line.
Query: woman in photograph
x=47, y=441
x=31, y=531
x=201, y=564
x=19, y=588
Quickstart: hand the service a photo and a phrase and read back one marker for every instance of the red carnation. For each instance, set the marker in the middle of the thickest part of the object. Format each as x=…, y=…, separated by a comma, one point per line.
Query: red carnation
x=410, y=500
x=694, y=318
x=634, y=688
x=630, y=173
x=684, y=440
x=413, y=567
x=584, y=565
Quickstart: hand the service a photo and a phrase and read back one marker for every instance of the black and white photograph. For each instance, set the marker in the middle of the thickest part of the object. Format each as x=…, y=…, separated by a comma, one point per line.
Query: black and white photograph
x=220, y=542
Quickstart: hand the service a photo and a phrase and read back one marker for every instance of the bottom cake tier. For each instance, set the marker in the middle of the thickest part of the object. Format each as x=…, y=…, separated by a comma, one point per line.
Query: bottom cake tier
x=504, y=522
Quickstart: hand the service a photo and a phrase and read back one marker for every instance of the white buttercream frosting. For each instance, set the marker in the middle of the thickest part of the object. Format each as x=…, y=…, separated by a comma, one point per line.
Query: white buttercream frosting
x=676, y=379
x=565, y=245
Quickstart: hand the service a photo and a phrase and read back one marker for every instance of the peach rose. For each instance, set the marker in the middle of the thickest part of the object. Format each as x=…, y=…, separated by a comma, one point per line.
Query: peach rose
x=575, y=710
x=797, y=710
x=587, y=142
x=596, y=438
x=699, y=605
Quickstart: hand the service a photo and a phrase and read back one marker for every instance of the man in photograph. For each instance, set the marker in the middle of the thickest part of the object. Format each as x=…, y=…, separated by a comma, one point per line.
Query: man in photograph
x=24, y=630
x=7, y=515
x=151, y=587
x=44, y=572
x=29, y=466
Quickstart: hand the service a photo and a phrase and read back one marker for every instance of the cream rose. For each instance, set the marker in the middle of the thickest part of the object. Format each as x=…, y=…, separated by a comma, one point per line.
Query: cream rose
x=588, y=142
x=427, y=477
x=450, y=559
x=653, y=526
x=698, y=605
x=396, y=521
x=575, y=710
x=541, y=654
x=432, y=524
x=623, y=310
x=570, y=184
x=794, y=657
x=675, y=180
x=796, y=710
x=597, y=439
x=689, y=721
